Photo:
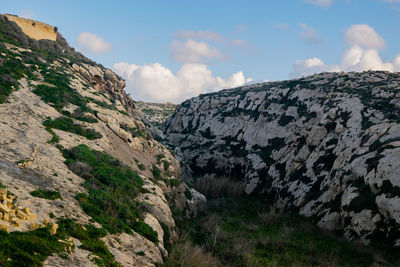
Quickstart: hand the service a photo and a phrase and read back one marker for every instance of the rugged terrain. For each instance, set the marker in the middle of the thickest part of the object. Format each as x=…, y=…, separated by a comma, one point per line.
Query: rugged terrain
x=156, y=113
x=75, y=150
x=326, y=146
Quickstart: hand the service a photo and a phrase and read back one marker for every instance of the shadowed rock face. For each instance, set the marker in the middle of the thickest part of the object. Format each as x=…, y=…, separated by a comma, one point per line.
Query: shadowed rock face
x=327, y=146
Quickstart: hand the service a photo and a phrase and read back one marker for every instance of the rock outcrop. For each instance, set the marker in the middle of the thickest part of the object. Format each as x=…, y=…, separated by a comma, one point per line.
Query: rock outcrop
x=54, y=100
x=327, y=146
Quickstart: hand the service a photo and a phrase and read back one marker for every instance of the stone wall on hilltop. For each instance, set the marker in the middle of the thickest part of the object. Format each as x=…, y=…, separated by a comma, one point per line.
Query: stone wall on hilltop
x=35, y=29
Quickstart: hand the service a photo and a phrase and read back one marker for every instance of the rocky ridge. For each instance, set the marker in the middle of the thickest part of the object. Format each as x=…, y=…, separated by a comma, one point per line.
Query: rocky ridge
x=326, y=146
x=54, y=104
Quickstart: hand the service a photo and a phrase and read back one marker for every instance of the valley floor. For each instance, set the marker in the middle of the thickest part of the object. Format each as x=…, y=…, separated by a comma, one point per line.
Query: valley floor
x=243, y=232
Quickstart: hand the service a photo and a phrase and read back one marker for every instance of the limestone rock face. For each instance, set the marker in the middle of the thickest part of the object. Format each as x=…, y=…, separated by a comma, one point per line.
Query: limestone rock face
x=30, y=160
x=327, y=145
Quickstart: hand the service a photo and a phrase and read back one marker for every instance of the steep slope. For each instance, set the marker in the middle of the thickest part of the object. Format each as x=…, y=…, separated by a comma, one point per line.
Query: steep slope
x=75, y=151
x=326, y=146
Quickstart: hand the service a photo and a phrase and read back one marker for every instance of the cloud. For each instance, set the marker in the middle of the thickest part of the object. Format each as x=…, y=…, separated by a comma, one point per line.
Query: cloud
x=215, y=37
x=90, y=42
x=154, y=82
x=310, y=35
x=362, y=54
x=311, y=66
x=192, y=51
x=364, y=36
x=320, y=3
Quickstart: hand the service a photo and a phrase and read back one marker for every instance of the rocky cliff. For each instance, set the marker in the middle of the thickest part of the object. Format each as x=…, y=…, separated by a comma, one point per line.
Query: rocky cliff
x=86, y=182
x=326, y=146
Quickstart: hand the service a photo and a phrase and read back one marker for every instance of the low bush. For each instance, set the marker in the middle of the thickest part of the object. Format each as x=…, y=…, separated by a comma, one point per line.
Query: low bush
x=112, y=188
x=217, y=187
x=187, y=254
x=156, y=172
x=68, y=125
x=166, y=165
x=33, y=247
x=242, y=232
x=47, y=194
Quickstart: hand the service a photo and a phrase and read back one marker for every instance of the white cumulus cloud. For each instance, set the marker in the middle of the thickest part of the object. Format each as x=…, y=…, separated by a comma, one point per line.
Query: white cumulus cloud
x=311, y=66
x=154, y=82
x=320, y=3
x=365, y=36
x=192, y=51
x=90, y=42
x=214, y=37
x=361, y=55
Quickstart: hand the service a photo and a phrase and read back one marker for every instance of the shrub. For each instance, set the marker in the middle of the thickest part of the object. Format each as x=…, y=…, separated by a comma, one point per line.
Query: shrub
x=68, y=125
x=186, y=254
x=145, y=230
x=156, y=172
x=112, y=188
x=89, y=236
x=175, y=182
x=216, y=187
x=47, y=194
x=160, y=157
x=135, y=132
x=166, y=165
x=54, y=138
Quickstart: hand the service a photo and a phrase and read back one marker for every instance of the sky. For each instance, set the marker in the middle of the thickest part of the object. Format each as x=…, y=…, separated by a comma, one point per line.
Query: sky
x=176, y=49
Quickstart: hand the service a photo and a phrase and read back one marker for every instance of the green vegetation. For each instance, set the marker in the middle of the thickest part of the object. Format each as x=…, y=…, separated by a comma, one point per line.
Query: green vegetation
x=61, y=94
x=244, y=232
x=47, y=194
x=89, y=236
x=140, y=166
x=112, y=188
x=156, y=172
x=174, y=182
x=32, y=248
x=166, y=165
x=28, y=248
x=54, y=138
x=135, y=131
x=68, y=125
x=160, y=157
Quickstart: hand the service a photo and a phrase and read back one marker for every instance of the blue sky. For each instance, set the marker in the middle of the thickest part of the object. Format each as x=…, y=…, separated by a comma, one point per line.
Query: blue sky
x=167, y=49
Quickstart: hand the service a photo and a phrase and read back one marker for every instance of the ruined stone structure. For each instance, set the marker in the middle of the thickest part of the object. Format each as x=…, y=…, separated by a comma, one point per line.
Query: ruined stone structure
x=35, y=29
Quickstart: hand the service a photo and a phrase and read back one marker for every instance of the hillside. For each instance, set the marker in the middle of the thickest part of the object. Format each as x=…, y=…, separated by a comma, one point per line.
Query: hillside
x=156, y=113
x=325, y=146
x=84, y=181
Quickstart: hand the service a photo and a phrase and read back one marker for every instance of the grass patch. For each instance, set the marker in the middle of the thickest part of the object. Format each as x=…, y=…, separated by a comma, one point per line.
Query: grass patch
x=32, y=248
x=90, y=240
x=244, y=232
x=68, y=125
x=112, y=188
x=47, y=194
